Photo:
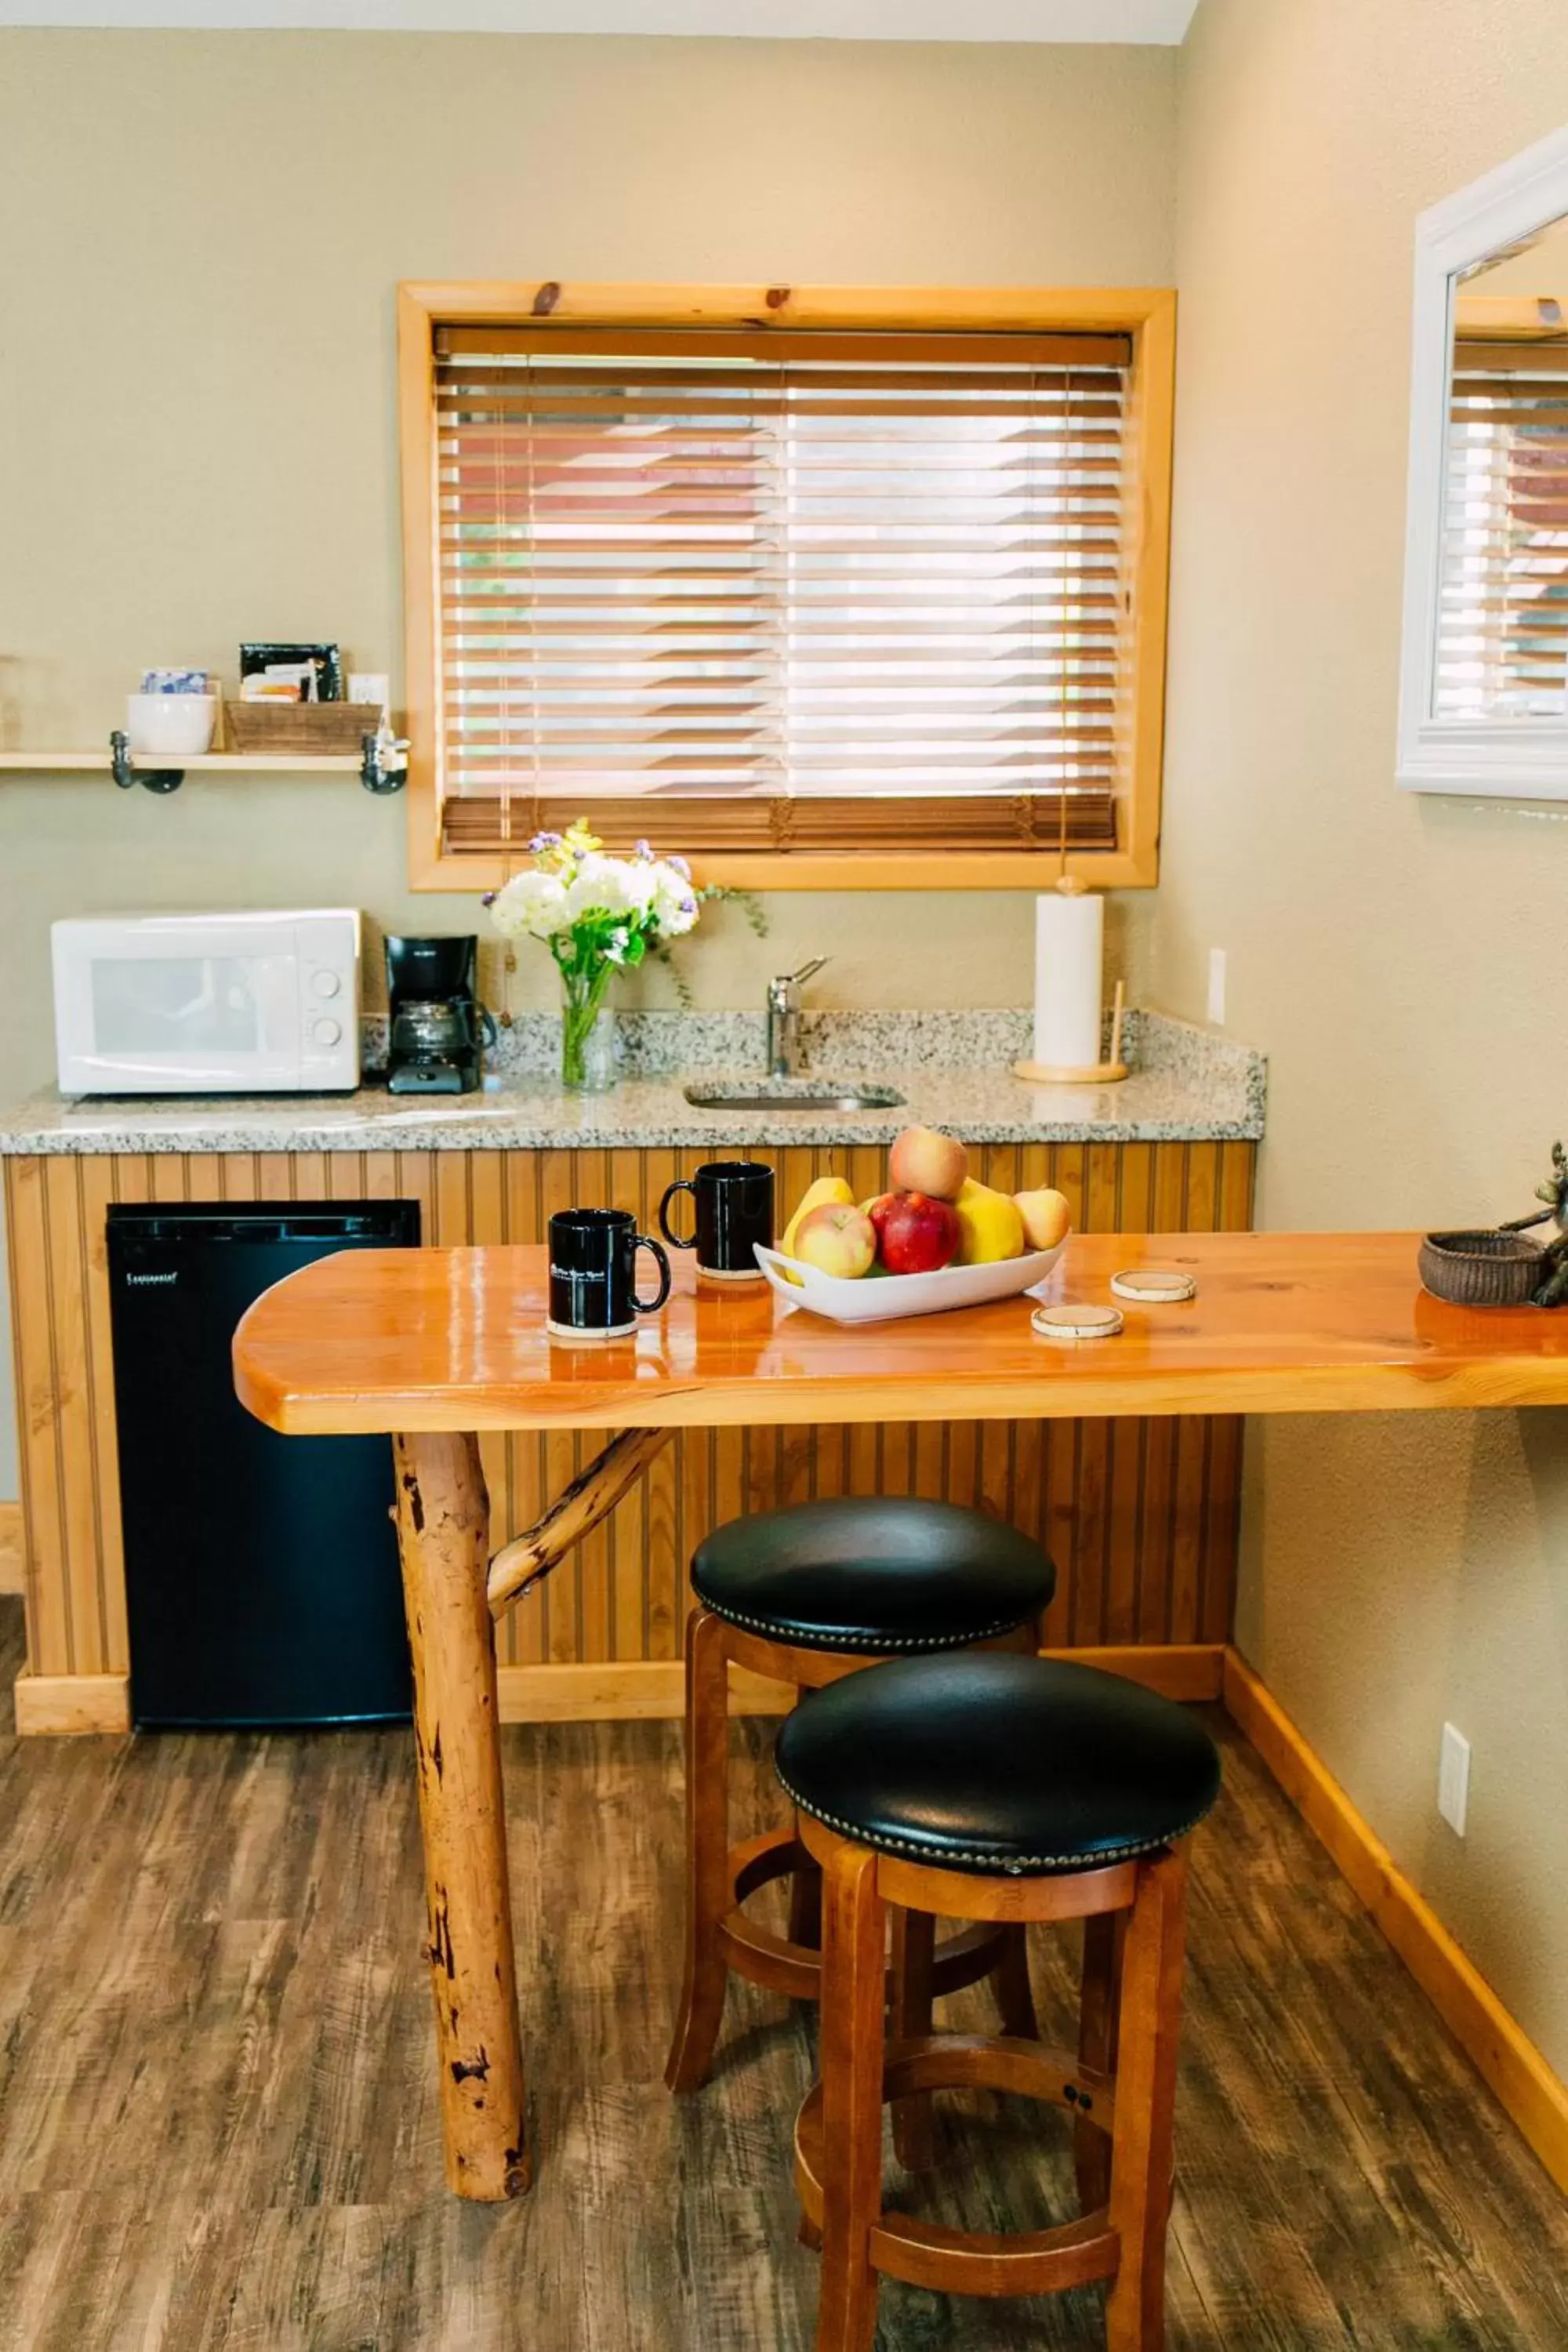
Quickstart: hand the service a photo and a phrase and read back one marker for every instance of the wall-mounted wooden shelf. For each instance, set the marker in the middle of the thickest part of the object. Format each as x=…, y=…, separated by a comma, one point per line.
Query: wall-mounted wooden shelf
x=377, y=771
x=341, y=763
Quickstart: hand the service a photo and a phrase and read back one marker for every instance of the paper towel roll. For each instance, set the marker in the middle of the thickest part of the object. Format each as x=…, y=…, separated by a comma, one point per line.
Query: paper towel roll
x=1069, y=937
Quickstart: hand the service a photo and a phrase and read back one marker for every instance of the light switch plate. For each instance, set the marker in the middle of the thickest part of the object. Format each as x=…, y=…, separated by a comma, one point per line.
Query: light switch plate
x=1216, y=987
x=1454, y=1779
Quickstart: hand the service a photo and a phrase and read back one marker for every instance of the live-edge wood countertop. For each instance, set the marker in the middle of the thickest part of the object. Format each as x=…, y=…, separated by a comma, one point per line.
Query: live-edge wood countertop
x=455, y=1339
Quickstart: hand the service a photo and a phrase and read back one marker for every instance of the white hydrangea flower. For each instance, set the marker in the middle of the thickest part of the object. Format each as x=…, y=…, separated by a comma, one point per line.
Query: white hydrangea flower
x=531, y=905
x=674, y=901
x=608, y=886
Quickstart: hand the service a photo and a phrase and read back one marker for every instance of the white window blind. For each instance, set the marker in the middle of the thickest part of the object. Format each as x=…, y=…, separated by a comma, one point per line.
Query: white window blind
x=851, y=590
x=1502, y=640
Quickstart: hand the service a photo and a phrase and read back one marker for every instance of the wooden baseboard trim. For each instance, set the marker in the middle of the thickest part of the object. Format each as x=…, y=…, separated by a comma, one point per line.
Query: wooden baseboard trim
x=12, y=1560
x=1533, y=2093
x=626, y=1690
x=71, y=1703
x=1184, y=1670
x=653, y=1689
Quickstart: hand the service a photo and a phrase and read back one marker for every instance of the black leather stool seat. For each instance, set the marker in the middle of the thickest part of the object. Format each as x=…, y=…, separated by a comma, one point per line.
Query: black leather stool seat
x=878, y=1572
x=995, y=1764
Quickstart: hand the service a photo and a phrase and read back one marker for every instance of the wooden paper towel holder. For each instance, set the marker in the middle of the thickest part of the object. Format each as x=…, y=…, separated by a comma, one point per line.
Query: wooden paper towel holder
x=1102, y=1074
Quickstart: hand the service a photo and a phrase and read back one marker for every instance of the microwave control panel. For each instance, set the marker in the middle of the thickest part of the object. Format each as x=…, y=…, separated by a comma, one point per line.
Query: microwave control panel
x=327, y=947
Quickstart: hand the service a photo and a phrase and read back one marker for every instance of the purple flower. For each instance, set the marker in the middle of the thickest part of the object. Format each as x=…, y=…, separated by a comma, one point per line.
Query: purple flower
x=543, y=841
x=681, y=866
x=489, y=899
x=643, y=850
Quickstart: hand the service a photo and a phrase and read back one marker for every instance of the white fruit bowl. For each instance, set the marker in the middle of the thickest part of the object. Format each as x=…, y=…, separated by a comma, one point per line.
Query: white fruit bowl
x=883, y=1299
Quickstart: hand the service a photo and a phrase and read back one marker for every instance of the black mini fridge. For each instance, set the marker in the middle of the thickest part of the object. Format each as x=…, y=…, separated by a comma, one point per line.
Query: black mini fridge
x=261, y=1573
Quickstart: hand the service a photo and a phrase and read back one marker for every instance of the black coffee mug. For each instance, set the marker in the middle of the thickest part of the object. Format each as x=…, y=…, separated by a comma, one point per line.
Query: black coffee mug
x=734, y=1201
x=592, y=1273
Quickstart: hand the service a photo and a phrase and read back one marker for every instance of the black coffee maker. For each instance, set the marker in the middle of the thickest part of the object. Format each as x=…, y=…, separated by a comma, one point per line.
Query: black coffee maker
x=436, y=1023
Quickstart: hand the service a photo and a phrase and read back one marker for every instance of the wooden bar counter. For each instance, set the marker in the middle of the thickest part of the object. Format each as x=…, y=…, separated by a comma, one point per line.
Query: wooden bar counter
x=436, y=1346
x=1141, y=1517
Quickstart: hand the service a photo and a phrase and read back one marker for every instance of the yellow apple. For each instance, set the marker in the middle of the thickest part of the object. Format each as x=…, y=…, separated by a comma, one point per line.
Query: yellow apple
x=1047, y=1219
x=827, y=1191
x=837, y=1238
x=989, y=1225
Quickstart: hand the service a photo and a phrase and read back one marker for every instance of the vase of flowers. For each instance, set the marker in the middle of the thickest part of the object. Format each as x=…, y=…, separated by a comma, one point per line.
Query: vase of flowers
x=598, y=915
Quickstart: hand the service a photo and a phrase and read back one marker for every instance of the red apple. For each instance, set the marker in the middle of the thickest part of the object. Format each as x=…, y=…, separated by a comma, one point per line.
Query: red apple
x=922, y=1161
x=917, y=1234
x=877, y=1210
x=837, y=1239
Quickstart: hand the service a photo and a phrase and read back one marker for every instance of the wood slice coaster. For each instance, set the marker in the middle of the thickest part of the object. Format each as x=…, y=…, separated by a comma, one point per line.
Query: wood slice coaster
x=1068, y=1323
x=1152, y=1287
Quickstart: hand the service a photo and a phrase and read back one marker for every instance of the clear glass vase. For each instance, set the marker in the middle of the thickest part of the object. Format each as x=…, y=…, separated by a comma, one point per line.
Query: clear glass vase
x=587, y=1036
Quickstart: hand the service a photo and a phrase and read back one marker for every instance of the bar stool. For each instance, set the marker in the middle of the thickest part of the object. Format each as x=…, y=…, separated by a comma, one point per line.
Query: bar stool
x=808, y=1595
x=998, y=1788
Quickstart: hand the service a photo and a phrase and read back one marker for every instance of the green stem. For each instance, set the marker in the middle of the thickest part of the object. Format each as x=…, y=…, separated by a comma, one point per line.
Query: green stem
x=584, y=996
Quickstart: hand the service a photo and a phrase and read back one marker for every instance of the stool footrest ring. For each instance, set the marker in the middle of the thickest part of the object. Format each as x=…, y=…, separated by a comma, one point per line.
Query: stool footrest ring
x=775, y=1854
x=770, y=1960
x=1020, y=2262
x=962, y=2262
x=974, y=1953
x=793, y=1969
x=992, y=2061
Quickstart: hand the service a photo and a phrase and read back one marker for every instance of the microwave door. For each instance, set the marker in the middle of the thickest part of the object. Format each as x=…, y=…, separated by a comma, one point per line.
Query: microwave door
x=165, y=1016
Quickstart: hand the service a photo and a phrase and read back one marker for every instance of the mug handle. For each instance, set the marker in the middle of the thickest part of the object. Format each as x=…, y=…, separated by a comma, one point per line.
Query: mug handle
x=652, y=1306
x=682, y=1184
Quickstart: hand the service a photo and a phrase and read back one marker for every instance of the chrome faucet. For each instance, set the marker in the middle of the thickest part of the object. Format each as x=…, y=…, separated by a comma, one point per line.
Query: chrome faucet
x=783, y=1018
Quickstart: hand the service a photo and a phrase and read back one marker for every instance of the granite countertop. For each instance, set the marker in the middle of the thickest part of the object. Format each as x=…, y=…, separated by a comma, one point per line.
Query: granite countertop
x=1187, y=1085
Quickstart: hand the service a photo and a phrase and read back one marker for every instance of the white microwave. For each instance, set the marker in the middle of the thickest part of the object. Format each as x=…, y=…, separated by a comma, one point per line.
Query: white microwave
x=202, y=1004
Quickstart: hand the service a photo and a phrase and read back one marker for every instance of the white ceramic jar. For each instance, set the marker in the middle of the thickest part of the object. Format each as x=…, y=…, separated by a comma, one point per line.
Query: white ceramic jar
x=170, y=726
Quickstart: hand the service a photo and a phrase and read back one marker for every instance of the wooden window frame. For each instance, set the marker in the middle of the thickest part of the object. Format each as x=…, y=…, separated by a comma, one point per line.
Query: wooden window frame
x=1147, y=314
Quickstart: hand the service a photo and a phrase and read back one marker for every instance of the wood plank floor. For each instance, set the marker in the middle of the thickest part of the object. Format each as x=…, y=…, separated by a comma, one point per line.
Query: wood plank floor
x=218, y=2126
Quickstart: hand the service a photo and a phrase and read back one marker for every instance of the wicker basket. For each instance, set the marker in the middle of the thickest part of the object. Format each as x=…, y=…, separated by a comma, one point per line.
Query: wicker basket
x=1485, y=1269
x=332, y=728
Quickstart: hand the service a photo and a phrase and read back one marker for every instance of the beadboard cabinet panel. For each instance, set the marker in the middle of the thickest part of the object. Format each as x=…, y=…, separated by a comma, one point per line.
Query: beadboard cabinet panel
x=1141, y=1517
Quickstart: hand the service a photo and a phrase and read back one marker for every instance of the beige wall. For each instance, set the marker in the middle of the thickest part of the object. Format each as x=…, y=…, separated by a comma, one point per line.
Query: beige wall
x=202, y=237
x=1393, y=953
x=202, y=234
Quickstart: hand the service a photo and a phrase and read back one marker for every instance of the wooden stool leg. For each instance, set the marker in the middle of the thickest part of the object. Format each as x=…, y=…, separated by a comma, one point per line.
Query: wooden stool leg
x=914, y=1945
x=1010, y=1982
x=1140, y=2171
x=853, y=1997
x=708, y=1888
x=805, y=1906
x=443, y=1535
x=1097, y=2048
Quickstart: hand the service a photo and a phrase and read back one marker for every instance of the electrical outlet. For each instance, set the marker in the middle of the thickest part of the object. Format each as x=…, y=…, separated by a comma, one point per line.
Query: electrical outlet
x=1217, y=986
x=1454, y=1779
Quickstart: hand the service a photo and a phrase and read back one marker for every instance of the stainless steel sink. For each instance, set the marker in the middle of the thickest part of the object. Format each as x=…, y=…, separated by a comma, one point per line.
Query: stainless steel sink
x=792, y=1094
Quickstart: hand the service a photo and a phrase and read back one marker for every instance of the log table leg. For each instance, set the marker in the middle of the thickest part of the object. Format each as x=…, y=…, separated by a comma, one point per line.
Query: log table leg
x=443, y=1527
x=592, y=1494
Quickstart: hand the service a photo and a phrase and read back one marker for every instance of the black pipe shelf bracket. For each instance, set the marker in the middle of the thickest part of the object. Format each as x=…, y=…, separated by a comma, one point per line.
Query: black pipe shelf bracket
x=126, y=774
x=383, y=768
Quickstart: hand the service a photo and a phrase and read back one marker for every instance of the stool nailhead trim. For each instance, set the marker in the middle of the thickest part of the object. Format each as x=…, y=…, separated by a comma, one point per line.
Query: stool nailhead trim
x=946, y=1857
x=877, y=1644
